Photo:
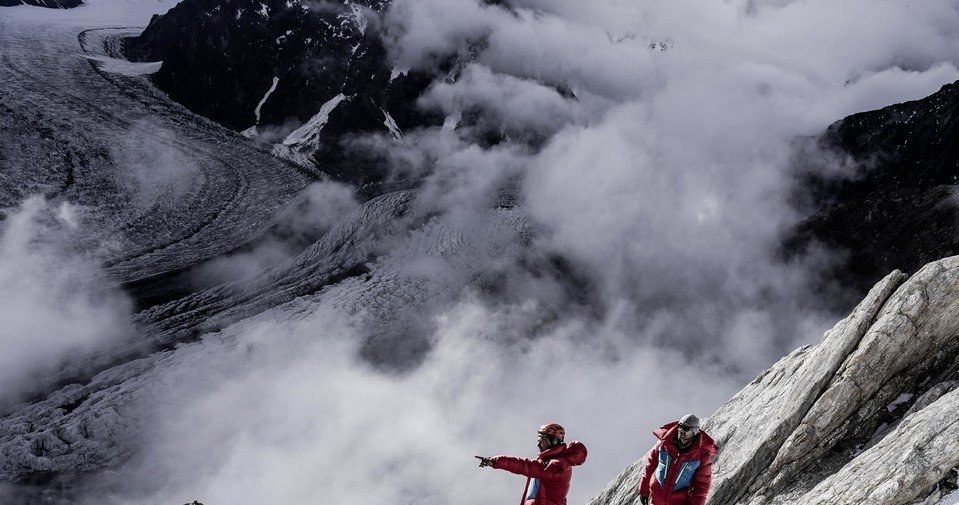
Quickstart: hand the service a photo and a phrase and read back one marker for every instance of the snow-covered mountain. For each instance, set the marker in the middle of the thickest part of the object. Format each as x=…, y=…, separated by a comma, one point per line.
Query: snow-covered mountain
x=311, y=251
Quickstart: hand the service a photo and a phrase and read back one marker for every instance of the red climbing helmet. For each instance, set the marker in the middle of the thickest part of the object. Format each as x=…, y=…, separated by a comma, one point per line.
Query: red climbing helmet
x=553, y=430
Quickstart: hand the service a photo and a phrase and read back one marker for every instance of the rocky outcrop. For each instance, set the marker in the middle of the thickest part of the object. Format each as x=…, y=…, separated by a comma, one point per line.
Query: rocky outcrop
x=894, y=206
x=303, y=75
x=866, y=416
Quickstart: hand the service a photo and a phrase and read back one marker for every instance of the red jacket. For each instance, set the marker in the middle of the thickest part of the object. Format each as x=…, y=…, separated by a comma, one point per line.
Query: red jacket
x=553, y=468
x=674, y=478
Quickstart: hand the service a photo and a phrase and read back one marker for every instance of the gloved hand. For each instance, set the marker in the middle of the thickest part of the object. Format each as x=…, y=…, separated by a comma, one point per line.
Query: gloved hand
x=644, y=500
x=484, y=461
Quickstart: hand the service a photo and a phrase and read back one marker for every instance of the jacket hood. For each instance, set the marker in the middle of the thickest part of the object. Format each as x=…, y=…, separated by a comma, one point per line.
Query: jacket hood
x=704, y=443
x=574, y=453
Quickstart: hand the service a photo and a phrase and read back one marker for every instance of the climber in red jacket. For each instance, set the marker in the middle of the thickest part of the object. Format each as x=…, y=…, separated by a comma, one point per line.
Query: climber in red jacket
x=679, y=468
x=549, y=474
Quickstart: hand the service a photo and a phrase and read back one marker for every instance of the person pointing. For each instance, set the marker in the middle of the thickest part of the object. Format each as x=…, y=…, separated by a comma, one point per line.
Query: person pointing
x=549, y=475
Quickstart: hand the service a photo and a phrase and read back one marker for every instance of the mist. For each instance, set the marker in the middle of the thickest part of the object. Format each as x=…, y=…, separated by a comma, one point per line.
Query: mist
x=55, y=302
x=150, y=172
x=666, y=179
x=645, y=167
x=289, y=414
x=321, y=206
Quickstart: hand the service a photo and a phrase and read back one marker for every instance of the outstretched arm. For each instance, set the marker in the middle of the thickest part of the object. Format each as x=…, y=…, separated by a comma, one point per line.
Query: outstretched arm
x=529, y=468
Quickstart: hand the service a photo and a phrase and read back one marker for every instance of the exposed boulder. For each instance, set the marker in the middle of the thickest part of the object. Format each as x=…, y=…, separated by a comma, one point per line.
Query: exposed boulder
x=865, y=416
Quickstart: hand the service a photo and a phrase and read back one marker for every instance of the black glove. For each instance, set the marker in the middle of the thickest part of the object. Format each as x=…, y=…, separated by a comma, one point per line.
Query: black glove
x=484, y=461
x=644, y=500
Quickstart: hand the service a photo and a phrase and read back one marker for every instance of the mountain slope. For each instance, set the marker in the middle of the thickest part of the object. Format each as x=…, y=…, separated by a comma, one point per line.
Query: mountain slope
x=865, y=416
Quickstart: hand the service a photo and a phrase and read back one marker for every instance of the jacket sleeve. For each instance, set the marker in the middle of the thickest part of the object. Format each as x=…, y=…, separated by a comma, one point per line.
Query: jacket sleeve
x=530, y=468
x=652, y=461
x=702, y=479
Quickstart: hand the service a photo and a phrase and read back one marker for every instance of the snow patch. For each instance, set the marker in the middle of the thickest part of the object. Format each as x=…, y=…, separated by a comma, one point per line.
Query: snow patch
x=392, y=126
x=359, y=18
x=124, y=67
x=950, y=499
x=264, y=10
x=397, y=71
x=903, y=398
x=250, y=132
x=256, y=111
x=449, y=124
x=308, y=134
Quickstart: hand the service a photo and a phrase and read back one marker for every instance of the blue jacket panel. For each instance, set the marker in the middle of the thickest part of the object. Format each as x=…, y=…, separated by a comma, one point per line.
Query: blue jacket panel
x=686, y=470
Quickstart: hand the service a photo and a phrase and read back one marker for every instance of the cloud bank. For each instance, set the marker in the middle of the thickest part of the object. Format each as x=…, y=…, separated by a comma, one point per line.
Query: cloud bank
x=667, y=176
x=55, y=303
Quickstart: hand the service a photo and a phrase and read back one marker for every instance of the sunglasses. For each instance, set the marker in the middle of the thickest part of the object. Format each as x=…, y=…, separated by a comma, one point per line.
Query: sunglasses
x=688, y=428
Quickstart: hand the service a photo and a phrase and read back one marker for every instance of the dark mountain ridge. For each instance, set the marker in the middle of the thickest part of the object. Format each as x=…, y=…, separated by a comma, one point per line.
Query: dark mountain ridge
x=897, y=209
x=273, y=65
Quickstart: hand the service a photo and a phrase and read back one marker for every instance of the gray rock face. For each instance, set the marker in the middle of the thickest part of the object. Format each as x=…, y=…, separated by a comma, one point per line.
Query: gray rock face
x=911, y=459
x=866, y=416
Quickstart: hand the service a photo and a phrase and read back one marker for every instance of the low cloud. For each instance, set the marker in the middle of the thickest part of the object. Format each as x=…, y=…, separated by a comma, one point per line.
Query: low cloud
x=307, y=422
x=503, y=103
x=322, y=205
x=668, y=179
x=55, y=303
x=149, y=171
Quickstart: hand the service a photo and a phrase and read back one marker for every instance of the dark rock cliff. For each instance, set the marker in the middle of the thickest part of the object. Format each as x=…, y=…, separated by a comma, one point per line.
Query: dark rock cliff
x=898, y=209
x=221, y=59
